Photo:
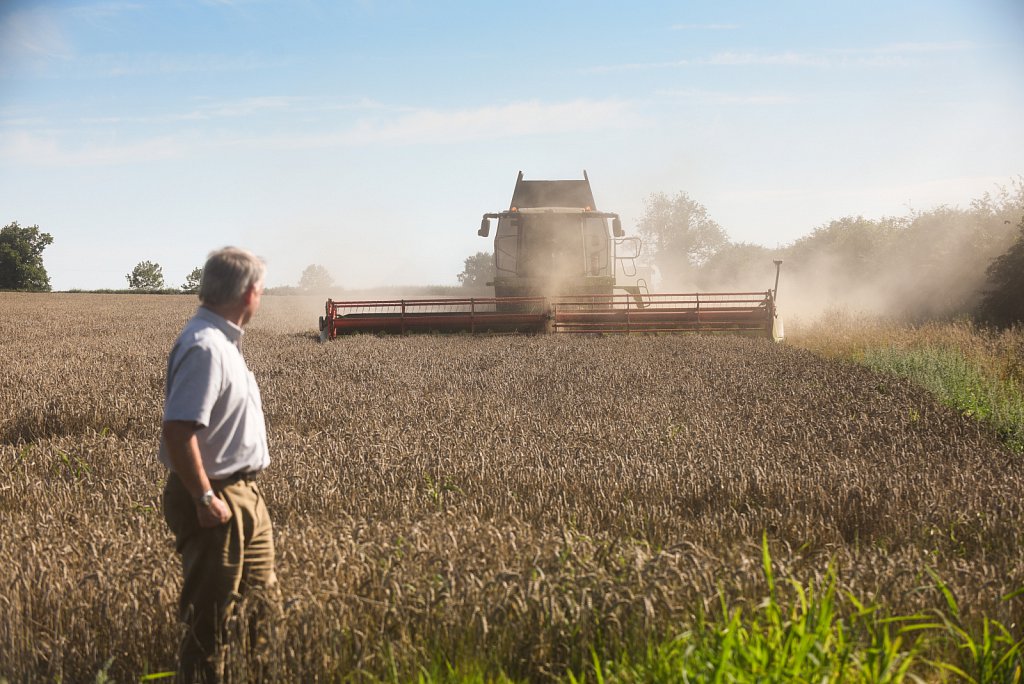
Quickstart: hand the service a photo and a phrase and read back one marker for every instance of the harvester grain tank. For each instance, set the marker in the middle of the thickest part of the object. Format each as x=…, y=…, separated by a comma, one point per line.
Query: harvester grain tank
x=559, y=268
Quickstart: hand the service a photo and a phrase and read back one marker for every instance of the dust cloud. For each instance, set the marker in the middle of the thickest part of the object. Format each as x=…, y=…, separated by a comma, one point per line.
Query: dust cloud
x=923, y=266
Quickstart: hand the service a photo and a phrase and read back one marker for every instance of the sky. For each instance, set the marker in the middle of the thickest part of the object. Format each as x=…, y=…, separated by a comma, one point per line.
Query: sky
x=370, y=136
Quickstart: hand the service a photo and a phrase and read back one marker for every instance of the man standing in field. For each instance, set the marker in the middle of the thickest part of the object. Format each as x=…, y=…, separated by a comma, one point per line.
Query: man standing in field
x=214, y=443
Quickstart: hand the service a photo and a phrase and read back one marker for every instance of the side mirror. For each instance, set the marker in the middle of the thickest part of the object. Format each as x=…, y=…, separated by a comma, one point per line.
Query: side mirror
x=617, y=227
x=485, y=227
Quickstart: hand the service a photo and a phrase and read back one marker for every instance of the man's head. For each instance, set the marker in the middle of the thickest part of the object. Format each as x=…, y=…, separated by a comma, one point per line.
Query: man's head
x=232, y=279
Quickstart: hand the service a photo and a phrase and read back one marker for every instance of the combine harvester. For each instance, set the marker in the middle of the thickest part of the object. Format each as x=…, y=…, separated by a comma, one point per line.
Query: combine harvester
x=558, y=269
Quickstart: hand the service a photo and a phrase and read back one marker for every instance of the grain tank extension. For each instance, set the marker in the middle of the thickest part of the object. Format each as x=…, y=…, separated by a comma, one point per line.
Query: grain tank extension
x=562, y=266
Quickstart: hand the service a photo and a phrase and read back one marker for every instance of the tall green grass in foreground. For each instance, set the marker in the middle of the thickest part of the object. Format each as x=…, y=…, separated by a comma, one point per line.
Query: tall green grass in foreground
x=802, y=633
x=800, y=639
x=978, y=372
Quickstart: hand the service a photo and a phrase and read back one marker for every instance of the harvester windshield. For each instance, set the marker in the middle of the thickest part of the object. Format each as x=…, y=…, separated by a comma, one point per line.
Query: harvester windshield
x=552, y=244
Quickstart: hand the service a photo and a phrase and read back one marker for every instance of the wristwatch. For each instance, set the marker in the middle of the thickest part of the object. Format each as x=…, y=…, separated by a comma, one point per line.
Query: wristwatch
x=206, y=499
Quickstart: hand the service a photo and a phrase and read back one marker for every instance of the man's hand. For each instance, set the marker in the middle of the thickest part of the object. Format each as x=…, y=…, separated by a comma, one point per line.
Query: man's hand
x=183, y=450
x=217, y=513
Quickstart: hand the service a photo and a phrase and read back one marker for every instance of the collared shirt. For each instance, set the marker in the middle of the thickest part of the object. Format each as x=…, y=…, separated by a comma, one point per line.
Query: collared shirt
x=209, y=383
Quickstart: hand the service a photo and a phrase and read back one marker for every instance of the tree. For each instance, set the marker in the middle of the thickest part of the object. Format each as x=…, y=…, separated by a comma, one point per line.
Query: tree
x=192, y=281
x=146, y=275
x=679, y=233
x=21, y=258
x=478, y=271
x=315, y=277
x=1003, y=301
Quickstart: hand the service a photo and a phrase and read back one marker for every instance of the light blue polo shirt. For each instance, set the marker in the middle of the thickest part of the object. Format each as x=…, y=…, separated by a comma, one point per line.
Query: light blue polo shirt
x=208, y=383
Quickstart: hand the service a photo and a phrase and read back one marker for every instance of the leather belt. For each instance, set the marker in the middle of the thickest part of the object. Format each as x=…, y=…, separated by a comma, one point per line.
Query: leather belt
x=233, y=478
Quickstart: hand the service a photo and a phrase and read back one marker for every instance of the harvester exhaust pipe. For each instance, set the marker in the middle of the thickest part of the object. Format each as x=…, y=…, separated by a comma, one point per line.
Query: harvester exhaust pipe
x=778, y=267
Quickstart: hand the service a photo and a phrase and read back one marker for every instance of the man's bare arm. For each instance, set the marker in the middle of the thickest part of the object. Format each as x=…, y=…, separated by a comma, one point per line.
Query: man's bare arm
x=187, y=462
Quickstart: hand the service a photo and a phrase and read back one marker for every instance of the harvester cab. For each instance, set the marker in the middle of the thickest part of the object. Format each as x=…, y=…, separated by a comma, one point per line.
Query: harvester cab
x=552, y=241
x=558, y=264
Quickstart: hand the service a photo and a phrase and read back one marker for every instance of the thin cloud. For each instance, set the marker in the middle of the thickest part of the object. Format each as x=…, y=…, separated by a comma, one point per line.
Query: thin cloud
x=26, y=122
x=432, y=126
x=47, y=150
x=911, y=48
x=246, y=108
x=404, y=127
x=721, y=59
x=38, y=33
x=771, y=59
x=156, y=64
x=251, y=106
x=726, y=98
x=896, y=54
x=514, y=120
x=640, y=66
x=33, y=34
x=99, y=11
x=704, y=27
x=16, y=116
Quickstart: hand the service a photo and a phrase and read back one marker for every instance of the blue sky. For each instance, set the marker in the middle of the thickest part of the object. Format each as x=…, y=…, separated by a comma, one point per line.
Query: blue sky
x=369, y=136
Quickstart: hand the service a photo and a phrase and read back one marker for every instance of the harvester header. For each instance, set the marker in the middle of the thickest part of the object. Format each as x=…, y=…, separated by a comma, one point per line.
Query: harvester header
x=559, y=268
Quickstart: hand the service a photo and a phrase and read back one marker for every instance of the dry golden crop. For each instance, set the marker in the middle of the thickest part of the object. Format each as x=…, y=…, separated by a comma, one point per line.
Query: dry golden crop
x=523, y=497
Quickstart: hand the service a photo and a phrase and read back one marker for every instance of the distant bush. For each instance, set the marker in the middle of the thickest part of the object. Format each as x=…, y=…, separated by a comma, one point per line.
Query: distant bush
x=315, y=277
x=1002, y=304
x=478, y=271
x=147, y=275
x=193, y=280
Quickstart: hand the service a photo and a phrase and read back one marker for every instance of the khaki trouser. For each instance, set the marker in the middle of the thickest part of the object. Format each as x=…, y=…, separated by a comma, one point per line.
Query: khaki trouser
x=222, y=565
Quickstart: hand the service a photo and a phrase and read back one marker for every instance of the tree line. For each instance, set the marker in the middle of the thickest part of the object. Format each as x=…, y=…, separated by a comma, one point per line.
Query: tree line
x=22, y=269
x=941, y=263
x=147, y=276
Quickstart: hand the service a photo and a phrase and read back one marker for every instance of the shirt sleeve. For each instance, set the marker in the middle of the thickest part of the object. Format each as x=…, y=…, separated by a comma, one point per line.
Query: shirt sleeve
x=193, y=386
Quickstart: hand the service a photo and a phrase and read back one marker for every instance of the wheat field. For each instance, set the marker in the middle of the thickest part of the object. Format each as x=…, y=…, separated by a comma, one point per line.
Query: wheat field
x=513, y=498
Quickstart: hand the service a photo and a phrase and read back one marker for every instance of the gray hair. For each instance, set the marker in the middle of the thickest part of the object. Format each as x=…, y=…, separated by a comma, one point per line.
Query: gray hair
x=228, y=273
